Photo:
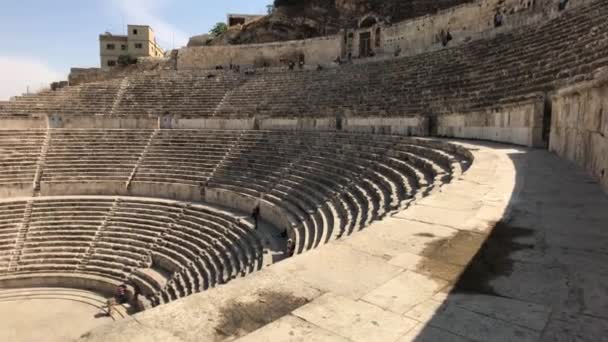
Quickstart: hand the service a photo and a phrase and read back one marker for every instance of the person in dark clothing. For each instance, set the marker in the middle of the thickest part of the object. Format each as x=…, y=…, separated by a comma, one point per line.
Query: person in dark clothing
x=291, y=65
x=445, y=37
x=255, y=215
x=498, y=18
x=398, y=51
x=562, y=4
x=120, y=297
x=121, y=294
x=290, y=248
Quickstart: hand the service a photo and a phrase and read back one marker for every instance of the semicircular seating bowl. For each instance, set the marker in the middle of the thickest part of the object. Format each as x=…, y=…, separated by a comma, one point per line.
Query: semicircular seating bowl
x=168, y=249
x=327, y=184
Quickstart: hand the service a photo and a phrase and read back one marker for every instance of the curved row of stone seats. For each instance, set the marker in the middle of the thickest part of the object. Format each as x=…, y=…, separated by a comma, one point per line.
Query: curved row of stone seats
x=11, y=219
x=167, y=249
x=58, y=233
x=481, y=74
x=189, y=93
x=92, y=99
x=331, y=184
x=326, y=184
x=93, y=154
x=169, y=158
x=506, y=68
x=19, y=154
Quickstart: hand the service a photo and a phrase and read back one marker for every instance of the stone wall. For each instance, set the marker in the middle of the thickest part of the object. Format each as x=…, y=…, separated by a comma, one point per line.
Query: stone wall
x=87, y=75
x=465, y=22
x=579, y=127
x=316, y=51
x=520, y=124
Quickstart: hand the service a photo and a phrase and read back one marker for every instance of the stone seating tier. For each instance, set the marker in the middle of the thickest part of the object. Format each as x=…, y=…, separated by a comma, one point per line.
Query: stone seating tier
x=508, y=68
x=327, y=184
x=194, y=247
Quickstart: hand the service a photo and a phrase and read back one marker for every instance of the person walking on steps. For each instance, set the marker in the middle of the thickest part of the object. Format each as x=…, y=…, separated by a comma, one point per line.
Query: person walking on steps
x=255, y=215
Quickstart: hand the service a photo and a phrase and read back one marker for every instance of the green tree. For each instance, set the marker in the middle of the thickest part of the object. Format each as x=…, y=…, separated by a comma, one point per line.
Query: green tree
x=219, y=28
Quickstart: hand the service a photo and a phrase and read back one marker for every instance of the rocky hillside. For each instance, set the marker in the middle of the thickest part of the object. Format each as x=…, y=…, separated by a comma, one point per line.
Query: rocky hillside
x=300, y=19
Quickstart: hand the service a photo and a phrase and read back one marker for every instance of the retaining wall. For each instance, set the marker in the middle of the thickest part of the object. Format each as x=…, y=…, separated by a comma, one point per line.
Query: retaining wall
x=322, y=50
x=579, y=127
x=520, y=124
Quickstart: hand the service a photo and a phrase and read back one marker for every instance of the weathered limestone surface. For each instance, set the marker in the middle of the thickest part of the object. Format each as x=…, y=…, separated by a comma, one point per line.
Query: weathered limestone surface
x=53, y=314
x=579, y=129
x=465, y=22
x=316, y=51
x=520, y=124
x=526, y=241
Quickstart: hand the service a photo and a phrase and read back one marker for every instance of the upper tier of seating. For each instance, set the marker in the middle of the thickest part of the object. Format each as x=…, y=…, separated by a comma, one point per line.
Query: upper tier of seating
x=19, y=153
x=327, y=184
x=166, y=249
x=484, y=73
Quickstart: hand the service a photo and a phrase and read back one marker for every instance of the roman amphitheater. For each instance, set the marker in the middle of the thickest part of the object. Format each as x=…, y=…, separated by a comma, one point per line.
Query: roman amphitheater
x=425, y=193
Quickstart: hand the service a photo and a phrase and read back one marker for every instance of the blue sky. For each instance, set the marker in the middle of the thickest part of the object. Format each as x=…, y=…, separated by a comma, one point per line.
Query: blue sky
x=42, y=39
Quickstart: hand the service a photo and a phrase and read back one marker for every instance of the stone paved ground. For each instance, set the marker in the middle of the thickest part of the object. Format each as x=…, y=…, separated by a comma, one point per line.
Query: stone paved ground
x=48, y=314
x=514, y=250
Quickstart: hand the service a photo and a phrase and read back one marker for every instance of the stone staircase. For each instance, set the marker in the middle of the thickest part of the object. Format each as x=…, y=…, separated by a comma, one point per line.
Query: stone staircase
x=98, y=234
x=21, y=238
x=41, y=162
x=142, y=157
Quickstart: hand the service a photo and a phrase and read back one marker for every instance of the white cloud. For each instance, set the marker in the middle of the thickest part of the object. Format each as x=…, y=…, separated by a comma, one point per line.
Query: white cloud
x=16, y=74
x=146, y=12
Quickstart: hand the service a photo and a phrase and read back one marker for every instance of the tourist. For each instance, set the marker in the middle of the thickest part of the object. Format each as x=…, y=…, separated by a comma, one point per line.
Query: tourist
x=498, y=19
x=291, y=65
x=120, y=297
x=290, y=248
x=136, y=290
x=255, y=216
x=110, y=306
x=562, y=4
x=319, y=67
x=398, y=51
x=301, y=64
x=445, y=37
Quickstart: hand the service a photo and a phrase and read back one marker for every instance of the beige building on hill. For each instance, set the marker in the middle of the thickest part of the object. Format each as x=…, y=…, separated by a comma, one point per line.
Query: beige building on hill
x=139, y=42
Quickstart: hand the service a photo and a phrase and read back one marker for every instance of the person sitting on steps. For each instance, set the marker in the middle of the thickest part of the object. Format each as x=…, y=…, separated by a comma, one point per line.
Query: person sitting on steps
x=290, y=248
x=120, y=297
